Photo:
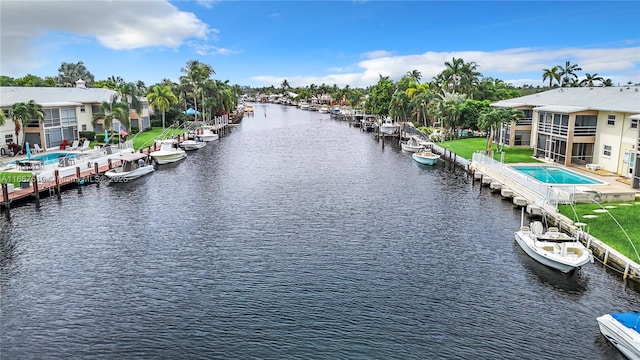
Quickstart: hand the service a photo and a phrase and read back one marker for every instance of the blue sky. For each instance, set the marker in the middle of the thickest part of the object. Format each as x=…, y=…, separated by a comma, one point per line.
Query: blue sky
x=261, y=43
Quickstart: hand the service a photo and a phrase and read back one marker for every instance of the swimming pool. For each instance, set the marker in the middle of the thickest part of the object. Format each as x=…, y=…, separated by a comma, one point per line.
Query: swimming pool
x=557, y=175
x=51, y=158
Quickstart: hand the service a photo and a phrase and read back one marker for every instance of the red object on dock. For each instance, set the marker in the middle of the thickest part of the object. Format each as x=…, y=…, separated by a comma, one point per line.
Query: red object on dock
x=63, y=146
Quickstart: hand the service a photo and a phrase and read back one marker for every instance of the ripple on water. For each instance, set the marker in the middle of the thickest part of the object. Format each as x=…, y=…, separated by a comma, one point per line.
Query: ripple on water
x=295, y=236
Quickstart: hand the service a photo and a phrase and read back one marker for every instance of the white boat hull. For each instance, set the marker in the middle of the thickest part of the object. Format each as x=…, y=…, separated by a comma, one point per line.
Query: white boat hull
x=388, y=129
x=562, y=256
x=161, y=157
x=116, y=175
x=626, y=339
x=427, y=158
x=208, y=137
x=190, y=145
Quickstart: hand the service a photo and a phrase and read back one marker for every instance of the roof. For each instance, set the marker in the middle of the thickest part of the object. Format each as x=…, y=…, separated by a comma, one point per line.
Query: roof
x=560, y=108
x=132, y=156
x=53, y=96
x=619, y=99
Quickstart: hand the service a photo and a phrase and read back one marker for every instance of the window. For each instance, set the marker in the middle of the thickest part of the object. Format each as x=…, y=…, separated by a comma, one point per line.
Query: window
x=611, y=120
x=8, y=138
x=634, y=123
x=81, y=108
x=607, y=151
x=84, y=127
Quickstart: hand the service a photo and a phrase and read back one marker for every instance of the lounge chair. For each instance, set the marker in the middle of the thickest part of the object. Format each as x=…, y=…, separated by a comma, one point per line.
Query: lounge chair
x=85, y=146
x=37, y=148
x=75, y=145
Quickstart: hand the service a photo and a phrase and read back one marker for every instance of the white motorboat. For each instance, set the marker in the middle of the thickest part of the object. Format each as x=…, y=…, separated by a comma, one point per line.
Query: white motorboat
x=388, y=126
x=168, y=153
x=323, y=109
x=425, y=156
x=207, y=133
x=622, y=329
x=190, y=145
x=134, y=165
x=410, y=145
x=552, y=248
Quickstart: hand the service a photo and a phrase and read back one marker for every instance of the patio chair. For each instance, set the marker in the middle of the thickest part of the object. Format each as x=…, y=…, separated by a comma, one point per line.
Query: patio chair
x=37, y=148
x=75, y=145
x=85, y=146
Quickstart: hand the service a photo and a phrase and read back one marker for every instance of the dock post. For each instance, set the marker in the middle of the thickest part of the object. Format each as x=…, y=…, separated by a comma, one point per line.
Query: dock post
x=626, y=272
x=473, y=178
x=95, y=167
x=56, y=174
x=36, y=192
x=481, y=176
x=606, y=256
x=78, y=175
x=382, y=142
x=109, y=164
x=5, y=196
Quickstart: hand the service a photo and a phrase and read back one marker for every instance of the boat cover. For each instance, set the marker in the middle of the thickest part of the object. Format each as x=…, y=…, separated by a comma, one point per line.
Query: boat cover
x=628, y=319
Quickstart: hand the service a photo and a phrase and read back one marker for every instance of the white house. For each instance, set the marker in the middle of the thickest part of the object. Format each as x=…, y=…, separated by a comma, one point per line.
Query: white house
x=579, y=126
x=67, y=112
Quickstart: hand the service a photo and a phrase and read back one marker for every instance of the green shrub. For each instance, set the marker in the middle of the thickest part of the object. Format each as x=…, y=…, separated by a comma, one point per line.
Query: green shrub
x=89, y=135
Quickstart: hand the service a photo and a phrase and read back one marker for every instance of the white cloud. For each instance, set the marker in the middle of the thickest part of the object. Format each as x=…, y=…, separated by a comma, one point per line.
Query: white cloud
x=377, y=54
x=518, y=66
x=117, y=25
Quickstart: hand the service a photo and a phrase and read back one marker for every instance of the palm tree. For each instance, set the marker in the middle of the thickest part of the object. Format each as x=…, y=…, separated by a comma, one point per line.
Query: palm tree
x=607, y=82
x=492, y=120
x=414, y=75
x=568, y=71
x=69, y=73
x=161, y=98
x=110, y=110
x=449, y=107
x=22, y=113
x=551, y=74
x=590, y=78
x=195, y=75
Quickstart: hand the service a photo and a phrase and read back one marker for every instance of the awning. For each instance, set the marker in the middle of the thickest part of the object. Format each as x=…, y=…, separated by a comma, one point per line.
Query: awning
x=635, y=117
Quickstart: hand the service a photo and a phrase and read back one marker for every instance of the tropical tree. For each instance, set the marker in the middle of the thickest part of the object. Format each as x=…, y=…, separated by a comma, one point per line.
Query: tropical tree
x=285, y=86
x=590, y=78
x=380, y=96
x=414, y=75
x=551, y=74
x=112, y=110
x=196, y=73
x=69, y=73
x=459, y=76
x=492, y=119
x=449, y=108
x=22, y=113
x=161, y=98
x=568, y=71
x=3, y=119
x=607, y=83
x=399, y=106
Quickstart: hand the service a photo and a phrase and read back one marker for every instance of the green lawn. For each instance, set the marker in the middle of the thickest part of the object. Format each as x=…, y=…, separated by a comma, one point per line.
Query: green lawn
x=14, y=177
x=466, y=147
x=145, y=139
x=609, y=226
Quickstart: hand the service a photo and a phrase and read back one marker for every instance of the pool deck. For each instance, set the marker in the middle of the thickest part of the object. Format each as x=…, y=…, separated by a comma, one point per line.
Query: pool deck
x=51, y=178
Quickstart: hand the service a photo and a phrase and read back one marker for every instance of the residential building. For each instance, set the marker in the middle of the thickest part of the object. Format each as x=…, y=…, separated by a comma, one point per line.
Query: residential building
x=67, y=112
x=577, y=126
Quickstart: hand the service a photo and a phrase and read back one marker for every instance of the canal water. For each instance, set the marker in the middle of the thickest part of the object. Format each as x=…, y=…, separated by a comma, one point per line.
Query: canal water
x=294, y=237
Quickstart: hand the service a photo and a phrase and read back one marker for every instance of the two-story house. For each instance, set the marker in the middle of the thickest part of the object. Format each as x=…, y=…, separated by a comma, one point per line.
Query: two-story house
x=580, y=125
